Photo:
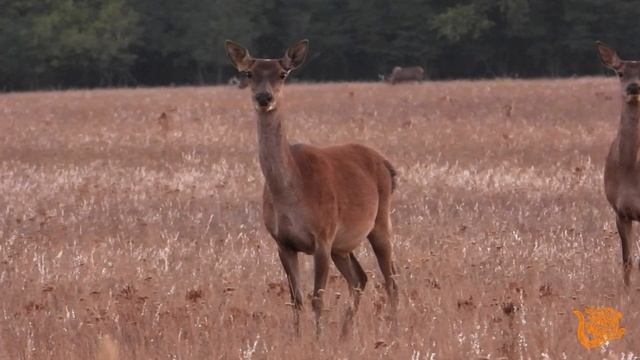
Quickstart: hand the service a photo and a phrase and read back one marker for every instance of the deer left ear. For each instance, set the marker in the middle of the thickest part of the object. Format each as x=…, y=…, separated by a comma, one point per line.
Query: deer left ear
x=295, y=55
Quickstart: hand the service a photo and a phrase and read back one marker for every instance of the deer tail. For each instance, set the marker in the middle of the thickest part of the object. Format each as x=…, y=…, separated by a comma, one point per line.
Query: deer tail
x=393, y=174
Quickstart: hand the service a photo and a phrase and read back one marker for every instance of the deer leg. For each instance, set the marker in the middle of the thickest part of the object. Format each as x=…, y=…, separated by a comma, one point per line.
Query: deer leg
x=380, y=239
x=357, y=268
x=356, y=279
x=289, y=259
x=321, y=260
x=624, y=230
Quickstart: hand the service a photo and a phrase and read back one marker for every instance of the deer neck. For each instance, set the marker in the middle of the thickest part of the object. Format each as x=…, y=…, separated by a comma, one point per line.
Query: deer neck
x=276, y=161
x=628, y=134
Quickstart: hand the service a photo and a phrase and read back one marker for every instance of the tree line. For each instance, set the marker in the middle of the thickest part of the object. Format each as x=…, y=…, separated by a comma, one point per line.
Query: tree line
x=91, y=43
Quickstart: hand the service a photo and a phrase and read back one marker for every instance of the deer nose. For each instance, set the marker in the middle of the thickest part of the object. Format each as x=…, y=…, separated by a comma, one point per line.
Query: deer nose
x=264, y=98
x=633, y=89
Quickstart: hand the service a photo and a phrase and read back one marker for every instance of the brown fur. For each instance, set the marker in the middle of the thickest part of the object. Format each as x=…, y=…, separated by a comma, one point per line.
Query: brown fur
x=622, y=169
x=320, y=201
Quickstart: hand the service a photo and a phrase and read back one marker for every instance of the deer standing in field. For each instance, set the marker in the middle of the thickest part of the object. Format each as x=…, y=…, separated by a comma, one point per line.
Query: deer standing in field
x=241, y=82
x=400, y=74
x=622, y=169
x=320, y=201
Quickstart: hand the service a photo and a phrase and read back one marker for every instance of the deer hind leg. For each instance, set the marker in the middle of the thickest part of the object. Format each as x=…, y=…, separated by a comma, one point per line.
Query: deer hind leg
x=380, y=239
x=625, y=227
x=289, y=259
x=356, y=278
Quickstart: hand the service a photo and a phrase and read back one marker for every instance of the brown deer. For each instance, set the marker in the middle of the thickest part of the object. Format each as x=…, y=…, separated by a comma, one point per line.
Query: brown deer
x=400, y=74
x=240, y=83
x=320, y=201
x=622, y=169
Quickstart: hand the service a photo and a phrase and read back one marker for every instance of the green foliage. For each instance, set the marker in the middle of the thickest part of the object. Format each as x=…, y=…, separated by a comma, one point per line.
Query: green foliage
x=83, y=43
x=67, y=43
x=460, y=22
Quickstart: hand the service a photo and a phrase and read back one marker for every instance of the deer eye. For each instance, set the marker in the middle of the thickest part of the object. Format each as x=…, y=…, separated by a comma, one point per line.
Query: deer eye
x=619, y=73
x=248, y=74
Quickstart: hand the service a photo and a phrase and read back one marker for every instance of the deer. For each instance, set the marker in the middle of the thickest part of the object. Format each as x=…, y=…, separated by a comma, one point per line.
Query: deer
x=319, y=201
x=400, y=74
x=622, y=167
x=240, y=83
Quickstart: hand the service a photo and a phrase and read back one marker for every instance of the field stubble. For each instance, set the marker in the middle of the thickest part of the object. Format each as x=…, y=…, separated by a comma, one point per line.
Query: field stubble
x=131, y=223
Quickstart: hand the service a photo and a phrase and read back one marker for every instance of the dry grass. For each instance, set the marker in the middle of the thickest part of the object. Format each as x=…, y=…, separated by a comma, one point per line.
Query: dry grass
x=131, y=224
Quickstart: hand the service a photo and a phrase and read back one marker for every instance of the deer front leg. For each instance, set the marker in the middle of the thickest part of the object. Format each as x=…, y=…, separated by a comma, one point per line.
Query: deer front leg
x=289, y=259
x=321, y=259
x=624, y=230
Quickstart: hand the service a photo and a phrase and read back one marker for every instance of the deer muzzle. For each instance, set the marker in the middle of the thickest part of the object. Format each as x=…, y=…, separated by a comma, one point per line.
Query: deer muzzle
x=264, y=99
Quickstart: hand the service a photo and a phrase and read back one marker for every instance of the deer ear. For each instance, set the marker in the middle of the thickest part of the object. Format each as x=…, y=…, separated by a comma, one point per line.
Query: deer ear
x=239, y=55
x=295, y=55
x=608, y=56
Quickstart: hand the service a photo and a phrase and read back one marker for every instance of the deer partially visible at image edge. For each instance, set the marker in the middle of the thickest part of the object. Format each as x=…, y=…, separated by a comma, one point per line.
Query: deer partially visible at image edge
x=622, y=170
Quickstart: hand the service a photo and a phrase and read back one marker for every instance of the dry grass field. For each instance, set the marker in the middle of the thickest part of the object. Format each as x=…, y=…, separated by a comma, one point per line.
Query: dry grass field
x=131, y=223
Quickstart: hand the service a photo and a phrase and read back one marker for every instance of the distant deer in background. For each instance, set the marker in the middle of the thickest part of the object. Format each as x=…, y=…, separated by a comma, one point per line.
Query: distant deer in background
x=622, y=169
x=400, y=74
x=320, y=201
x=241, y=82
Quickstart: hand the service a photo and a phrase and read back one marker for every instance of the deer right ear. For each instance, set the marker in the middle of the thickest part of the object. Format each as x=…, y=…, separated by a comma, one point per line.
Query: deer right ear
x=608, y=56
x=239, y=55
x=295, y=55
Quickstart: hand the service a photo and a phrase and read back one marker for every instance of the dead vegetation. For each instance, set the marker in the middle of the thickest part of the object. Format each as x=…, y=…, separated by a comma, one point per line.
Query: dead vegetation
x=131, y=223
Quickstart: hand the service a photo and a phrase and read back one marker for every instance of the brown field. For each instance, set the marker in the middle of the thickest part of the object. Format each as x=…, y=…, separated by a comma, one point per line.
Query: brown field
x=131, y=223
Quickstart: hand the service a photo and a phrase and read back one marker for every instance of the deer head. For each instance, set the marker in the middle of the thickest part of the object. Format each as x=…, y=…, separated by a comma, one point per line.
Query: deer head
x=266, y=76
x=628, y=72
